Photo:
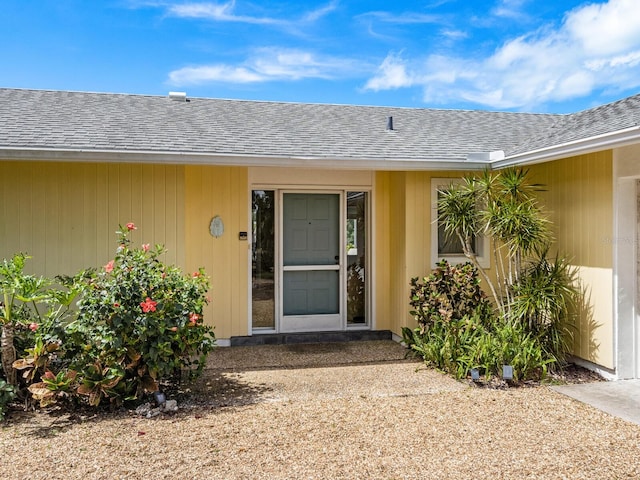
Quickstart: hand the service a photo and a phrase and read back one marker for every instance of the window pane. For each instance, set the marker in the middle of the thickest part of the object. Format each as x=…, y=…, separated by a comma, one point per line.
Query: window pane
x=263, y=259
x=356, y=258
x=449, y=245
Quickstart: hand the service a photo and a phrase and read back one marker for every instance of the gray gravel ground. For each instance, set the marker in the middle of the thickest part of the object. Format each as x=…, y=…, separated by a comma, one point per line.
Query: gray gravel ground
x=340, y=411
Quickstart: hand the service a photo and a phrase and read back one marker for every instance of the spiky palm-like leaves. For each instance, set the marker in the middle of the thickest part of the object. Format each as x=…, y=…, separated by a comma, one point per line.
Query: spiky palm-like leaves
x=461, y=217
x=543, y=299
x=504, y=207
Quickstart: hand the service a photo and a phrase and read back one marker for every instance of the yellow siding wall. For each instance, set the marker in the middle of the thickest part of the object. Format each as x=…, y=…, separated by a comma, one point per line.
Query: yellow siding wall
x=65, y=214
x=389, y=251
x=402, y=241
x=579, y=199
x=222, y=191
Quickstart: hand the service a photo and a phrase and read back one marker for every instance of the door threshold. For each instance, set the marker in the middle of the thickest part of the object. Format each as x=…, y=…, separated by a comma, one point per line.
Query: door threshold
x=315, y=337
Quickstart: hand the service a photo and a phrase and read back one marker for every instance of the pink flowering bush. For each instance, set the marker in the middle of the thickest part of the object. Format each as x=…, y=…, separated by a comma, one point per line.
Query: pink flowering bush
x=139, y=323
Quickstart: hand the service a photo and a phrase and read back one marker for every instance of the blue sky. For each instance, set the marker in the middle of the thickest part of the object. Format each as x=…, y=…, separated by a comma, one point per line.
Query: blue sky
x=517, y=55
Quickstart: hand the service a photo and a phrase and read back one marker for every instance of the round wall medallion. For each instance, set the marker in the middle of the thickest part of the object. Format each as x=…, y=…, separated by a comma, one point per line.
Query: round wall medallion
x=216, y=227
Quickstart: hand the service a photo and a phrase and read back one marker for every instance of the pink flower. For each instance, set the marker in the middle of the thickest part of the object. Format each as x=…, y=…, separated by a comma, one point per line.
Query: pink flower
x=131, y=226
x=109, y=267
x=196, y=274
x=148, y=305
x=145, y=247
x=33, y=327
x=193, y=318
x=116, y=304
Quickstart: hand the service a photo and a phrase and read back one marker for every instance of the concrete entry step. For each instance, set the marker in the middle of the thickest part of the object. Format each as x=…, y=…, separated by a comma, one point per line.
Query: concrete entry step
x=316, y=337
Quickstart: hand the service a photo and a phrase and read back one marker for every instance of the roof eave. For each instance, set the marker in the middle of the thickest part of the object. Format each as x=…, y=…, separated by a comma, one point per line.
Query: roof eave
x=191, y=158
x=606, y=141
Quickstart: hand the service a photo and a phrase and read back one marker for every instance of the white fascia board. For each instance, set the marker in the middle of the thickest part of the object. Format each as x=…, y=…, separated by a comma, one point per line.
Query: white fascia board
x=619, y=138
x=190, y=158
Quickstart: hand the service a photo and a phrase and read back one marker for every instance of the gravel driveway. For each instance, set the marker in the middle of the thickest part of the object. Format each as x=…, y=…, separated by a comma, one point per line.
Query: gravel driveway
x=353, y=411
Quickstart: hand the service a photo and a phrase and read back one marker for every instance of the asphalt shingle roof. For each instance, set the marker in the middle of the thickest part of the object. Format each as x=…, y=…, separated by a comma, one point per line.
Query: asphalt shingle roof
x=61, y=120
x=590, y=123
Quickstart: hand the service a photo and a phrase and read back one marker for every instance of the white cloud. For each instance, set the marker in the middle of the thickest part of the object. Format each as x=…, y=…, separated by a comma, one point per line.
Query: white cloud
x=628, y=60
x=268, y=64
x=218, y=12
x=596, y=47
x=392, y=74
x=406, y=18
x=227, y=12
x=511, y=9
x=605, y=28
x=454, y=34
x=275, y=63
x=213, y=73
x=203, y=10
x=317, y=14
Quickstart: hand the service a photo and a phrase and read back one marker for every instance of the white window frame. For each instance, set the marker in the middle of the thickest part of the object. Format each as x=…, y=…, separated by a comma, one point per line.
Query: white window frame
x=482, y=242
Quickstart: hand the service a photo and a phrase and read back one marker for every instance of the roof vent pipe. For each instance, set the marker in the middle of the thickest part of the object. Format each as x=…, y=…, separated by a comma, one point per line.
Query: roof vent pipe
x=178, y=96
x=389, y=123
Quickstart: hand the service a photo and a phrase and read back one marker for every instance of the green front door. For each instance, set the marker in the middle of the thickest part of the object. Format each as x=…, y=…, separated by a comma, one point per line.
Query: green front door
x=311, y=260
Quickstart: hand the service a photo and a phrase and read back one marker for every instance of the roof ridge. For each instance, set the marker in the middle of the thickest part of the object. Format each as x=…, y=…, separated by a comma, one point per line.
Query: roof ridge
x=607, y=105
x=282, y=102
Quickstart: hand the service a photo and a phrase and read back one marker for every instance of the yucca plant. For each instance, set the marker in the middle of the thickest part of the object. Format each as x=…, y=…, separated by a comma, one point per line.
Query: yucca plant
x=533, y=294
x=544, y=300
x=504, y=207
x=460, y=214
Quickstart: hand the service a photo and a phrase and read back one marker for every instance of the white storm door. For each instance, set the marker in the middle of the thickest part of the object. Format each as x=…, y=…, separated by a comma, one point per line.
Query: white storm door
x=310, y=262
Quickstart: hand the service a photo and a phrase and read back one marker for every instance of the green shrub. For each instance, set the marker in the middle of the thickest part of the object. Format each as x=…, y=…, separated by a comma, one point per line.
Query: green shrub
x=452, y=313
x=458, y=330
x=32, y=312
x=460, y=345
x=543, y=300
x=7, y=394
x=17, y=292
x=447, y=346
x=54, y=387
x=449, y=293
x=509, y=344
x=139, y=322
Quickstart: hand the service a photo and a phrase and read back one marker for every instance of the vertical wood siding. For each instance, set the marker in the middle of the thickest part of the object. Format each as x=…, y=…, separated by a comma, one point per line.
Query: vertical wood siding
x=403, y=241
x=579, y=200
x=222, y=191
x=393, y=228
x=65, y=214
